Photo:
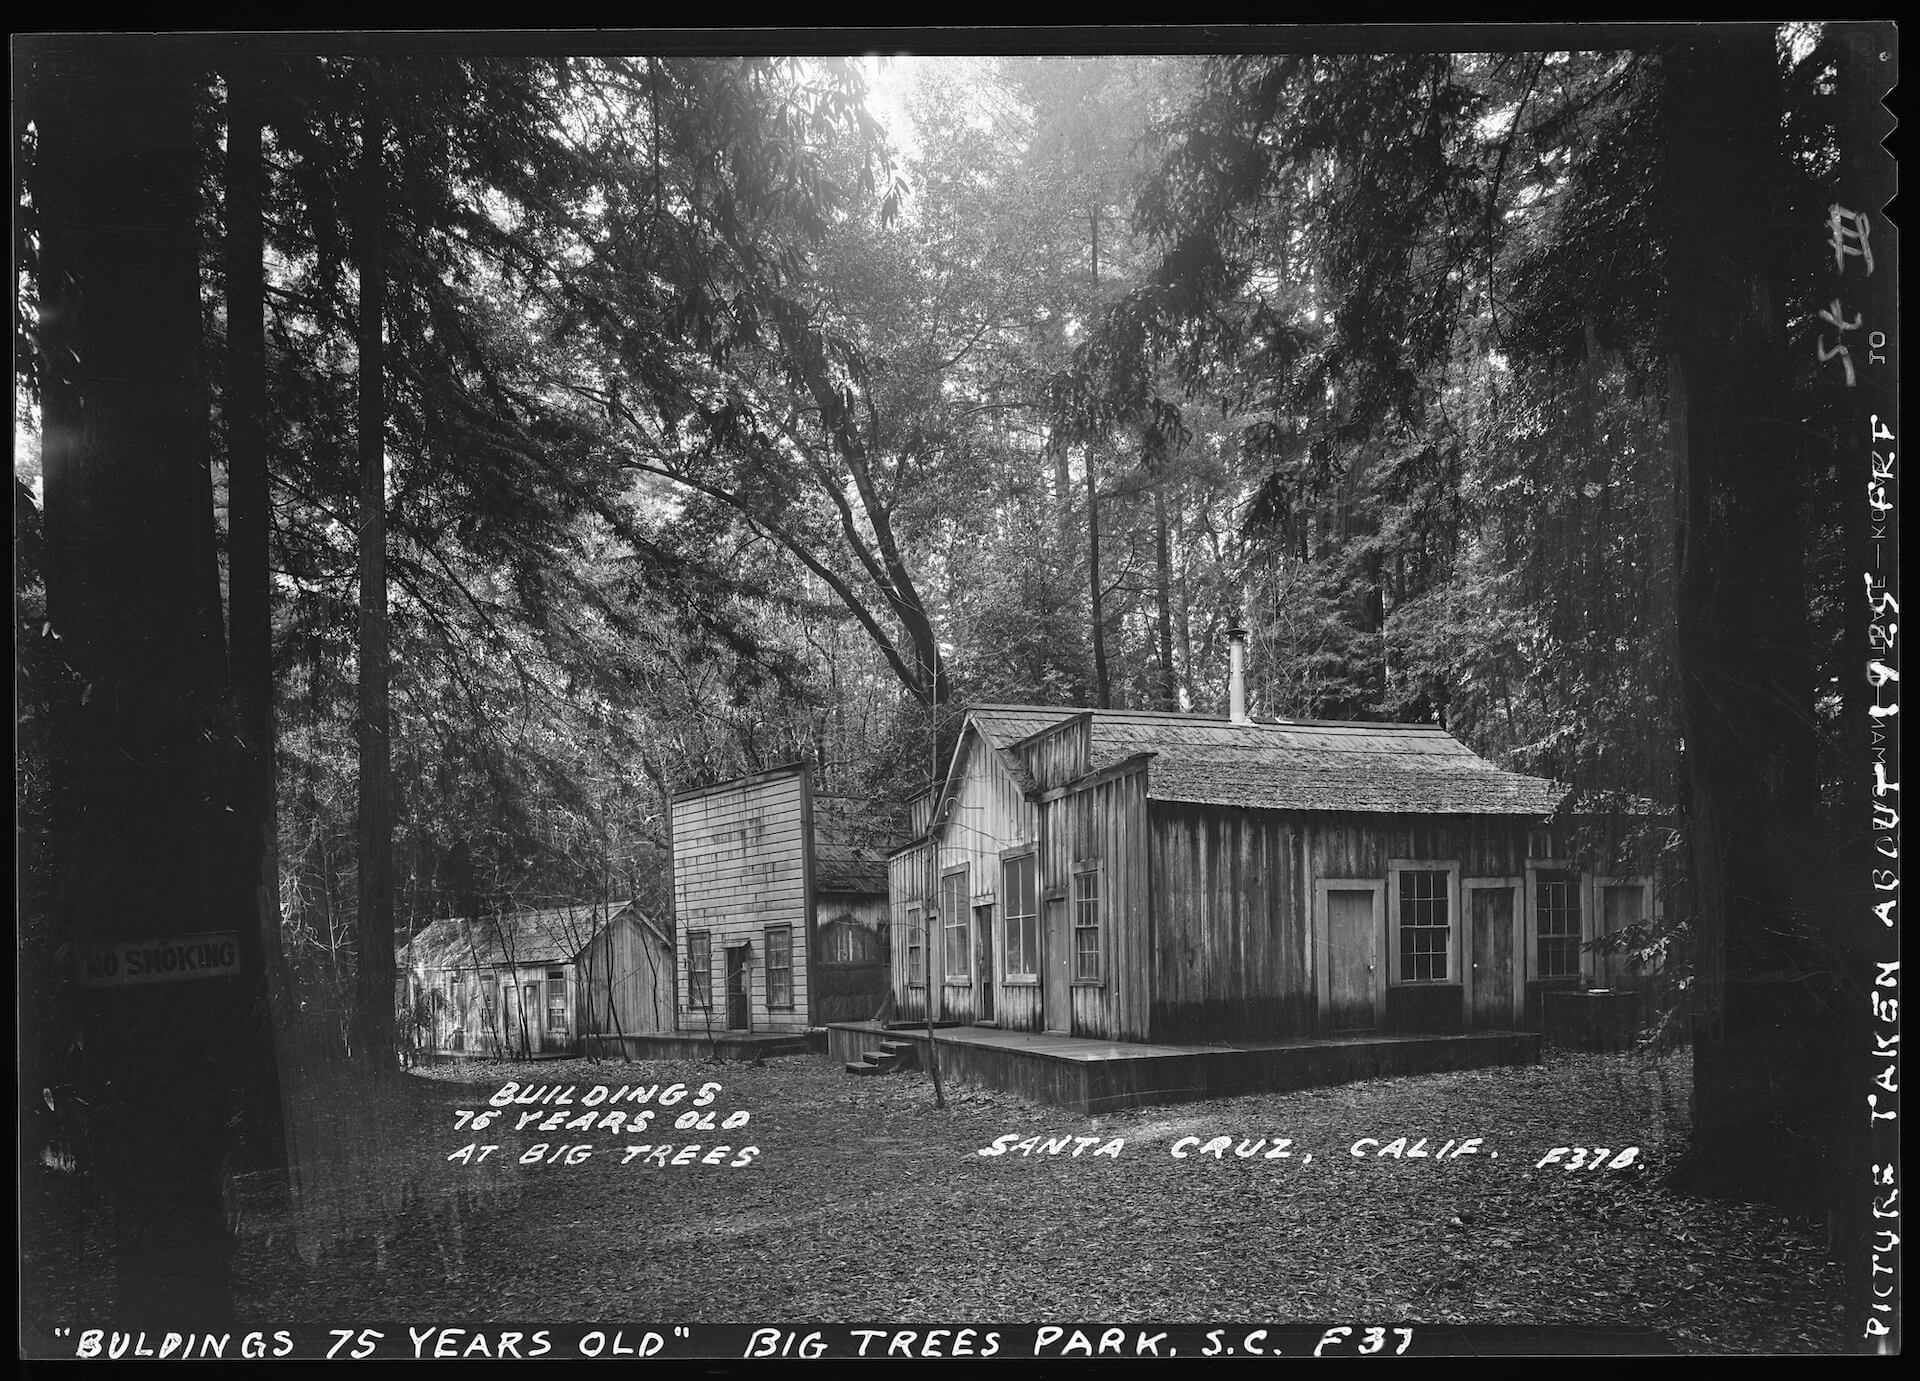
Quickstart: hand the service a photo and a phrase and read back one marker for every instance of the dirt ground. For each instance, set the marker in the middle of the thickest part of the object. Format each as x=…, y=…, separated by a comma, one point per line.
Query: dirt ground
x=839, y=1199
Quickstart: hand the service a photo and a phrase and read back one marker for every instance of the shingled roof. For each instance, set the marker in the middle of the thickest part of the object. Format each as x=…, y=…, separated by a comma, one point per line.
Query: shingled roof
x=1290, y=764
x=551, y=936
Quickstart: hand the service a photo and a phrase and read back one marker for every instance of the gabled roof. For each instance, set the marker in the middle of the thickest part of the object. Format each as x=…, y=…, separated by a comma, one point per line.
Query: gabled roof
x=1290, y=764
x=551, y=936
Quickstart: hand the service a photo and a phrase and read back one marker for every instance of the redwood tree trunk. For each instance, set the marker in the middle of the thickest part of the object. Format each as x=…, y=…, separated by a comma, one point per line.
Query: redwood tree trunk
x=374, y=1036
x=249, y=597
x=129, y=577
x=1765, y=999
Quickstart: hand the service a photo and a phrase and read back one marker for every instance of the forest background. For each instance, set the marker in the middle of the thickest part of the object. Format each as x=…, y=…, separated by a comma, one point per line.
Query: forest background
x=427, y=463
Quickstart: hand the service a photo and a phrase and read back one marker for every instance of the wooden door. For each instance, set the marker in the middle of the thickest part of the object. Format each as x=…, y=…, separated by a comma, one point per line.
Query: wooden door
x=1354, y=957
x=1057, y=998
x=983, y=965
x=1490, y=915
x=736, y=959
x=530, y=1009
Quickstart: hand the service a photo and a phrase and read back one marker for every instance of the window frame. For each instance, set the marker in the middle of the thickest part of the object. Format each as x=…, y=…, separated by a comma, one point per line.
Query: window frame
x=1397, y=868
x=769, y=968
x=1577, y=880
x=956, y=918
x=700, y=999
x=564, y=1007
x=1097, y=870
x=1595, y=966
x=916, y=946
x=1010, y=918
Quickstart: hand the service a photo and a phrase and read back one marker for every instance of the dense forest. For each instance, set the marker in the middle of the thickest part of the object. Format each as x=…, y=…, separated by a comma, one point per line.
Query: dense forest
x=431, y=462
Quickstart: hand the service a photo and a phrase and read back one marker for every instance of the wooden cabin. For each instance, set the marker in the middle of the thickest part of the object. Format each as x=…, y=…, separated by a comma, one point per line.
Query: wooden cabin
x=781, y=903
x=536, y=982
x=1141, y=876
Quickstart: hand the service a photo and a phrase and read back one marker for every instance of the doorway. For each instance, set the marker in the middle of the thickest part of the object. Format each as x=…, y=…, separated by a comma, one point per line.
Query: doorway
x=736, y=961
x=983, y=966
x=1493, y=988
x=1056, y=998
x=1352, y=978
x=530, y=1016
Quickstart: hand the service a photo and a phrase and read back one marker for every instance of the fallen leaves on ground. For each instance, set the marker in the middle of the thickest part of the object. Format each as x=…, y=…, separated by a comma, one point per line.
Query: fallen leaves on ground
x=865, y=1203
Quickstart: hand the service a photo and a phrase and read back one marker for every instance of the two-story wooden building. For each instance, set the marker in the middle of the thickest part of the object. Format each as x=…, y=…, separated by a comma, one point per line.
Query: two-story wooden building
x=781, y=903
x=1141, y=876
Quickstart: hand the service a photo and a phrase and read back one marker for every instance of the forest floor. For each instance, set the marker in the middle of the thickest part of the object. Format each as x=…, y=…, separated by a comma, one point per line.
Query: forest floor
x=862, y=1202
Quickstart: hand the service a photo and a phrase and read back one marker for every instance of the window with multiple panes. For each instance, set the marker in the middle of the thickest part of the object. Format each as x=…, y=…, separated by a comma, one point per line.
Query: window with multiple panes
x=699, y=969
x=557, y=1001
x=1556, y=905
x=849, y=942
x=1019, y=878
x=953, y=922
x=916, y=948
x=1425, y=925
x=780, y=966
x=1086, y=925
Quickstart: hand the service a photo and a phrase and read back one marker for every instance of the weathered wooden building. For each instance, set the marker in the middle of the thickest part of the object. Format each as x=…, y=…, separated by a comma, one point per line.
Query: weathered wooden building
x=781, y=904
x=1141, y=876
x=536, y=982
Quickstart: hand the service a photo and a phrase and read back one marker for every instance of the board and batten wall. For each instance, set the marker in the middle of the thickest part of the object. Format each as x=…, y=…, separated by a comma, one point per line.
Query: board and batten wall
x=984, y=816
x=1364, y=846
x=1101, y=828
x=626, y=980
x=742, y=861
x=1230, y=952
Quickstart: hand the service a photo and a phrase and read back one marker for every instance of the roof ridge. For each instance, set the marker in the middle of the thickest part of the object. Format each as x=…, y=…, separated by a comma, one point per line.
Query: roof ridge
x=1193, y=717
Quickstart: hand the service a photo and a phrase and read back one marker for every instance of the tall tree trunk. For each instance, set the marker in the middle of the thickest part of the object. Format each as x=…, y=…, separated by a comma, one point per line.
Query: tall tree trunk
x=1100, y=690
x=1163, y=562
x=1765, y=997
x=249, y=600
x=129, y=544
x=375, y=994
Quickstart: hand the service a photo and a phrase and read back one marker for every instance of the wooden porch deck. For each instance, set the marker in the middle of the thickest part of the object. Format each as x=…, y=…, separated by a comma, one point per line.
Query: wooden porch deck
x=1096, y=1076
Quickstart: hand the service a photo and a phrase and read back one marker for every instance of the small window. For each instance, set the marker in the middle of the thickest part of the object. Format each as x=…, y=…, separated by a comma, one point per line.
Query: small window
x=847, y=942
x=780, y=967
x=916, y=948
x=1022, y=945
x=953, y=922
x=454, y=995
x=1557, y=909
x=557, y=1020
x=699, y=969
x=1425, y=927
x=1086, y=925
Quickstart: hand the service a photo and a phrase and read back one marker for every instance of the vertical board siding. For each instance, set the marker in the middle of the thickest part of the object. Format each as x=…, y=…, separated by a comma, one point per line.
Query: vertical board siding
x=986, y=814
x=906, y=880
x=1356, y=846
x=1105, y=825
x=1229, y=959
x=643, y=983
x=740, y=864
x=1060, y=755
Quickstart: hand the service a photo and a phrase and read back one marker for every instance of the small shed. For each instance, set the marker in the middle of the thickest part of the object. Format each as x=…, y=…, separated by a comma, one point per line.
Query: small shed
x=535, y=982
